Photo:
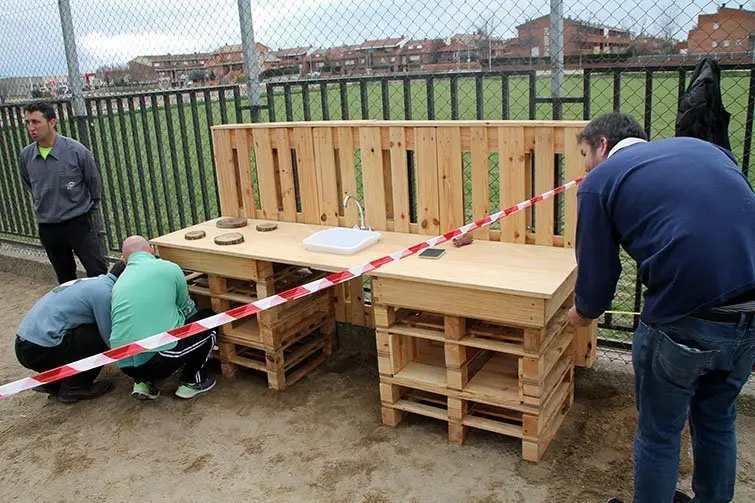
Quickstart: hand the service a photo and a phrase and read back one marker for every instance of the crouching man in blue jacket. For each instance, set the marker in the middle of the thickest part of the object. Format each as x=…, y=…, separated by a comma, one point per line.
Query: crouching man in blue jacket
x=69, y=323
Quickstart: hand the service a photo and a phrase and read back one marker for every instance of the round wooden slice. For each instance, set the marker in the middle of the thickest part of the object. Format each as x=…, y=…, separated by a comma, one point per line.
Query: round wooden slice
x=231, y=223
x=267, y=226
x=192, y=235
x=229, y=238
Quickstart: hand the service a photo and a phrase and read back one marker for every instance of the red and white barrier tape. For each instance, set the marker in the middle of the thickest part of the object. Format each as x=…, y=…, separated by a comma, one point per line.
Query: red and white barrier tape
x=161, y=339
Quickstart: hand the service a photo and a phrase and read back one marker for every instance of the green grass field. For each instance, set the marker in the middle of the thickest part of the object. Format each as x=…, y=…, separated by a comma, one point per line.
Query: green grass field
x=156, y=162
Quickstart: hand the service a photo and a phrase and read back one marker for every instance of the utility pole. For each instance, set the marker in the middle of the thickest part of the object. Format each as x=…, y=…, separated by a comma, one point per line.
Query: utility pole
x=251, y=63
x=557, y=56
x=74, y=80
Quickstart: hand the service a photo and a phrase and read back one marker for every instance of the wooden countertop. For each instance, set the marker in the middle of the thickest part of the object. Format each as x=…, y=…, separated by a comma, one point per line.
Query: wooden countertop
x=526, y=270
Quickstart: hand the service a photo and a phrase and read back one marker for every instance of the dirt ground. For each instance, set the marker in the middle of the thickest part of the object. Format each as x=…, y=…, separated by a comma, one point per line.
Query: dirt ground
x=320, y=441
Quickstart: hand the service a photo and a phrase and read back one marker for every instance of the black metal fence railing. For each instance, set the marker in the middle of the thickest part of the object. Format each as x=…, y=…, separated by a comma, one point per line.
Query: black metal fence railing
x=155, y=153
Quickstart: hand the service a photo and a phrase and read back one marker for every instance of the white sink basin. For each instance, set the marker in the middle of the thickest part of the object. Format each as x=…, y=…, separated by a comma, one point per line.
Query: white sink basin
x=341, y=240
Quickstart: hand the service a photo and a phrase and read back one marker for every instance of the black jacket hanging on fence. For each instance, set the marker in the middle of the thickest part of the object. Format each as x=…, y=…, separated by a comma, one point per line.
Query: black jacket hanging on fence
x=701, y=112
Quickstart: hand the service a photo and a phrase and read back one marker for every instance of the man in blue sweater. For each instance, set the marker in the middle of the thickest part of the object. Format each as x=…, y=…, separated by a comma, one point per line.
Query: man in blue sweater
x=69, y=323
x=684, y=211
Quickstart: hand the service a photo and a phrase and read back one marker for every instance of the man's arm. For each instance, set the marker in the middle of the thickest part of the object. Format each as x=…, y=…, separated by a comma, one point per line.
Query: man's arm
x=101, y=305
x=183, y=301
x=598, y=261
x=92, y=177
x=24, y=171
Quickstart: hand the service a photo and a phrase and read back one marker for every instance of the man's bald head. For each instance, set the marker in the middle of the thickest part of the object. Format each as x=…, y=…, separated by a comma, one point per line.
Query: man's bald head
x=135, y=244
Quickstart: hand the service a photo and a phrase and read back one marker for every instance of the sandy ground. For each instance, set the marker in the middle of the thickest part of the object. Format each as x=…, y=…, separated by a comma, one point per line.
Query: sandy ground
x=320, y=441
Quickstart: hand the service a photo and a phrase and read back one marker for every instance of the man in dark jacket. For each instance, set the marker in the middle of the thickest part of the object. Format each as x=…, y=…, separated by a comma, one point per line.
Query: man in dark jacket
x=683, y=210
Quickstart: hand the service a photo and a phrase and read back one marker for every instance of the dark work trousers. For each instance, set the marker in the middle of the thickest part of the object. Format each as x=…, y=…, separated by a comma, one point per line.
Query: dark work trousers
x=80, y=235
x=80, y=342
x=190, y=353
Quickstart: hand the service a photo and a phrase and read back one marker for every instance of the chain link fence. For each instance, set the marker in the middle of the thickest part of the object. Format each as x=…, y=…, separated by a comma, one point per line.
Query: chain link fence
x=150, y=79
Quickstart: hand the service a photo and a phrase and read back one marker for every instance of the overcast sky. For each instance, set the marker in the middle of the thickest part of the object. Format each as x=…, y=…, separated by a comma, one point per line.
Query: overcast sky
x=115, y=31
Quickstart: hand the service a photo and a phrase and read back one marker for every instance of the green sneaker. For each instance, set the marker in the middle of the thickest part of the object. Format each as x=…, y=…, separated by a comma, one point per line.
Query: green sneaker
x=190, y=390
x=145, y=391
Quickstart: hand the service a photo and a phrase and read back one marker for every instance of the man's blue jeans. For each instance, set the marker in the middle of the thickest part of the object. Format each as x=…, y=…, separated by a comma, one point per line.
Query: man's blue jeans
x=690, y=368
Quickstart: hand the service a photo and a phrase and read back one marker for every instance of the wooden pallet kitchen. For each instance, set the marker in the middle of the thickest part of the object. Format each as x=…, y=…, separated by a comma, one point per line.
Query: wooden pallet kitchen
x=477, y=338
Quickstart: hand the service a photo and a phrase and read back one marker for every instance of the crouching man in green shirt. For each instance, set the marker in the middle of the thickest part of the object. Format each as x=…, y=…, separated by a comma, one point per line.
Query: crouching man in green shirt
x=150, y=297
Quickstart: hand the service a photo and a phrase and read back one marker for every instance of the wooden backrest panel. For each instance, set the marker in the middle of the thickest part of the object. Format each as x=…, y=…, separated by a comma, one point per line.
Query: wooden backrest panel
x=301, y=172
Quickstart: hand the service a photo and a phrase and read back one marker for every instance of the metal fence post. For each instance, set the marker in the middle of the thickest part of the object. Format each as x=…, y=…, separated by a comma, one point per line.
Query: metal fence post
x=74, y=80
x=251, y=63
x=557, y=56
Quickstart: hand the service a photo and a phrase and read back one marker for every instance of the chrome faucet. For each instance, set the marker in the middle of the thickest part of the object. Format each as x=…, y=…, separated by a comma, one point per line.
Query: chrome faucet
x=359, y=207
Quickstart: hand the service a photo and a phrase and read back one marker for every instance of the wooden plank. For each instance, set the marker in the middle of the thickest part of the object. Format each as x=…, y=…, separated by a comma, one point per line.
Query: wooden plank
x=348, y=174
x=512, y=180
x=307, y=174
x=373, y=178
x=544, y=181
x=327, y=180
x=286, y=174
x=410, y=123
x=355, y=313
x=450, y=178
x=226, y=173
x=503, y=308
x=399, y=179
x=387, y=180
x=229, y=267
x=418, y=408
x=427, y=182
x=245, y=182
x=263, y=152
x=574, y=168
x=346, y=312
x=480, y=179
x=528, y=190
x=500, y=427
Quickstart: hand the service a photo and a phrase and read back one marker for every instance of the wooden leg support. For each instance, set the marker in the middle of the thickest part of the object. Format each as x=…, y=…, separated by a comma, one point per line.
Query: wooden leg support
x=276, y=375
x=457, y=431
x=457, y=369
x=390, y=394
x=330, y=333
x=227, y=351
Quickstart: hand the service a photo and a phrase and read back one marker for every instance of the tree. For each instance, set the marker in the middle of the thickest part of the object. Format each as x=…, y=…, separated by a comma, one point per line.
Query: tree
x=197, y=76
x=484, y=39
x=668, y=28
x=6, y=85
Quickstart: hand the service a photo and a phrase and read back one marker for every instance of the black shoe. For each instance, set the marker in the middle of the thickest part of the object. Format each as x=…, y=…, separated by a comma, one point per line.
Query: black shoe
x=680, y=497
x=68, y=394
x=50, y=388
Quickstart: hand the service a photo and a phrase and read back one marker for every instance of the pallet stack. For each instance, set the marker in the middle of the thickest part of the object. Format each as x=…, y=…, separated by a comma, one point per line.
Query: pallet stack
x=473, y=373
x=287, y=341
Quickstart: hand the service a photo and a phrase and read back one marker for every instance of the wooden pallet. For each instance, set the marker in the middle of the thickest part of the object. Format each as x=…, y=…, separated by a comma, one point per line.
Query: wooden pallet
x=270, y=341
x=477, y=365
x=283, y=367
x=462, y=414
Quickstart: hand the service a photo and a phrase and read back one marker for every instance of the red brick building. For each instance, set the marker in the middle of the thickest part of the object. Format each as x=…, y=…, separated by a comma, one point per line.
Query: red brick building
x=173, y=69
x=295, y=57
x=729, y=30
x=419, y=53
x=227, y=62
x=580, y=37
